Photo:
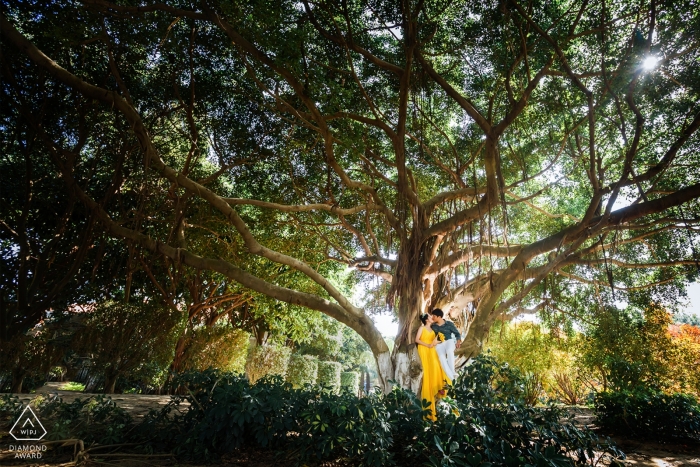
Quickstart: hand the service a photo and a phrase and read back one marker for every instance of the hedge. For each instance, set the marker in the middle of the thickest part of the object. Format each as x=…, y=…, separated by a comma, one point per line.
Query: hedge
x=329, y=375
x=302, y=370
x=266, y=360
x=350, y=380
x=649, y=413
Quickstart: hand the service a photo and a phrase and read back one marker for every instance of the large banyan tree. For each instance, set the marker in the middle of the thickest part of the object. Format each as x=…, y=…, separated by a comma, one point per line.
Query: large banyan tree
x=486, y=157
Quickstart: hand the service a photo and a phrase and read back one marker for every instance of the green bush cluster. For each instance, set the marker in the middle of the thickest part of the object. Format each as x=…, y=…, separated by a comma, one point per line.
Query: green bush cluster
x=302, y=370
x=297, y=369
x=350, y=381
x=649, y=413
x=486, y=422
x=267, y=360
x=220, y=346
x=329, y=375
x=94, y=419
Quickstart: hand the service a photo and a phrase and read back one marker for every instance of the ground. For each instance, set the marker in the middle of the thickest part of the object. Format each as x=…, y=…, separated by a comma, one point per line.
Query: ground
x=639, y=453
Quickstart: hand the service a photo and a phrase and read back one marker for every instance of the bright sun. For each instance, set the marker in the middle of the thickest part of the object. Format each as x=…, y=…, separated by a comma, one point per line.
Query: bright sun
x=650, y=62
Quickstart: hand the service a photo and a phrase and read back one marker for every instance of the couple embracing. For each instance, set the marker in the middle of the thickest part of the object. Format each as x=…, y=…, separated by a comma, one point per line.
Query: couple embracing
x=436, y=341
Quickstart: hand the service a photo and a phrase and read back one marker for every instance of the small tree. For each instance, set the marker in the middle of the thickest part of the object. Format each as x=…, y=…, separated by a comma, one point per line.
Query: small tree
x=631, y=349
x=547, y=359
x=128, y=338
x=524, y=346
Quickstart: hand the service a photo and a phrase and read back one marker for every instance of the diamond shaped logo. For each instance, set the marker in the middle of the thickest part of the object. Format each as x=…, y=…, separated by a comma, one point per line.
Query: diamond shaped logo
x=28, y=427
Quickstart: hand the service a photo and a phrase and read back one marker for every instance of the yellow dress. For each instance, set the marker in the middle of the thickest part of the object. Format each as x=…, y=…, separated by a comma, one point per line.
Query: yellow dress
x=434, y=377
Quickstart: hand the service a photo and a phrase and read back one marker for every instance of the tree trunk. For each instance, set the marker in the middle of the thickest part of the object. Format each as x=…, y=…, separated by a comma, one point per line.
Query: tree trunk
x=3, y=317
x=408, y=370
x=176, y=365
x=110, y=381
x=17, y=381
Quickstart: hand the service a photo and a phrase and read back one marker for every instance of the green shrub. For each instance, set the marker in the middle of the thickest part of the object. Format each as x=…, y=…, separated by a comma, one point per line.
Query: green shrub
x=329, y=375
x=649, y=413
x=220, y=346
x=350, y=380
x=11, y=408
x=486, y=423
x=548, y=358
x=25, y=359
x=264, y=360
x=634, y=350
x=302, y=370
x=93, y=419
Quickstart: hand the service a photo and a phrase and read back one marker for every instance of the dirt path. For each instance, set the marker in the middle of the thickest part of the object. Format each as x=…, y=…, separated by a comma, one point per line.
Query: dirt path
x=138, y=405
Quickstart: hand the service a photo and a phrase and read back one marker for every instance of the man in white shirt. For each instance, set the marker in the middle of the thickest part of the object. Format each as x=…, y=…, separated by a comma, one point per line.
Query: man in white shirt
x=446, y=348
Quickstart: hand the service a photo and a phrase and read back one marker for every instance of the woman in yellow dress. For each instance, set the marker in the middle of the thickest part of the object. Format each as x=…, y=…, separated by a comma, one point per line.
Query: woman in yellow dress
x=434, y=377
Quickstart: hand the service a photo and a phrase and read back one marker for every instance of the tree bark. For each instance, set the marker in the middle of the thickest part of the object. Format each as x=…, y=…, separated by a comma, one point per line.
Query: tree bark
x=180, y=348
x=408, y=370
x=3, y=318
x=18, y=375
x=110, y=380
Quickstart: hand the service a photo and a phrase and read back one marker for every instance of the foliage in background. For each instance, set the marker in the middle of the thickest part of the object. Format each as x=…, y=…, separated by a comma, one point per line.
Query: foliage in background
x=267, y=360
x=302, y=370
x=27, y=355
x=686, y=339
x=687, y=318
x=525, y=345
x=335, y=342
x=350, y=381
x=329, y=375
x=220, y=346
x=630, y=350
x=546, y=359
x=137, y=339
x=72, y=386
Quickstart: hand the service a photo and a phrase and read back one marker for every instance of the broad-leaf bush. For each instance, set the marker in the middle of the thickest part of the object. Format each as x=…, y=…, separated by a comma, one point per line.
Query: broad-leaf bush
x=485, y=420
x=649, y=413
x=92, y=419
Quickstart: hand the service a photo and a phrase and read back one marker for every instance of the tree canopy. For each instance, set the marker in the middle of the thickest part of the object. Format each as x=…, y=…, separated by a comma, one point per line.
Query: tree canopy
x=488, y=158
